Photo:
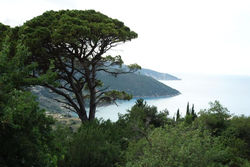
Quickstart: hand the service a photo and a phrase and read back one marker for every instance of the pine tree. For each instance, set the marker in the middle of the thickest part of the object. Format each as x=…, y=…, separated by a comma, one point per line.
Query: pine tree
x=193, y=113
x=72, y=45
x=178, y=115
x=188, y=111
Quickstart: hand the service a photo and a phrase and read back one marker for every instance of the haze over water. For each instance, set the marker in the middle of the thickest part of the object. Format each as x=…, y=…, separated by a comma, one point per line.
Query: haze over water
x=233, y=92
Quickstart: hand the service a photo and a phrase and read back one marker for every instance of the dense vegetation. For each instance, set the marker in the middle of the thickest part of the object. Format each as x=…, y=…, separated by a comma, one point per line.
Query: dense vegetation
x=142, y=137
x=26, y=134
x=146, y=137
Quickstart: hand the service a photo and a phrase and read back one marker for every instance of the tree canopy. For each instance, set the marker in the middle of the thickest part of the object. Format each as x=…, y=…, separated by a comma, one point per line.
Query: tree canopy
x=73, y=45
x=3, y=30
x=26, y=135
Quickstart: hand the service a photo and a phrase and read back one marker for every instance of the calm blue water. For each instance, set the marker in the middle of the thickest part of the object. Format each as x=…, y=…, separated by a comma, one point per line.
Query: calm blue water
x=233, y=92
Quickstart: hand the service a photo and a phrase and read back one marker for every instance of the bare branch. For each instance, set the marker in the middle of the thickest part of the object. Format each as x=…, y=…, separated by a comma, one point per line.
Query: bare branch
x=63, y=102
x=93, y=47
x=64, y=95
x=101, y=92
x=65, y=88
x=69, y=108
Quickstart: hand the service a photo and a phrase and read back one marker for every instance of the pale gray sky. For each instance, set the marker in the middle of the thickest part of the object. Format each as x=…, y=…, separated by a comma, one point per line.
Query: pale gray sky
x=202, y=36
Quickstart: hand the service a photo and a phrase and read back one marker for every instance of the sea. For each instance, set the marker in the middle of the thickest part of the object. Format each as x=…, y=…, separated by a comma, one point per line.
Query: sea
x=232, y=91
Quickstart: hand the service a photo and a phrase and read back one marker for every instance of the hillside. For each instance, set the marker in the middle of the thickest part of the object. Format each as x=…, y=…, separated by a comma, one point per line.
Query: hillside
x=157, y=75
x=137, y=84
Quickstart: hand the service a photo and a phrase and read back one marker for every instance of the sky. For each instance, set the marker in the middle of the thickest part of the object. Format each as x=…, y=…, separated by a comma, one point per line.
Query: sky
x=174, y=36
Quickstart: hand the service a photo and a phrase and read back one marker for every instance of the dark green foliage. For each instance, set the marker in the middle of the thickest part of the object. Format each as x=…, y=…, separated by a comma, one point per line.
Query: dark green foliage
x=241, y=125
x=119, y=95
x=194, y=115
x=139, y=121
x=72, y=44
x=210, y=140
x=25, y=133
x=237, y=137
x=93, y=145
x=177, y=146
x=145, y=116
x=178, y=115
x=190, y=117
x=137, y=124
x=14, y=70
x=231, y=131
x=214, y=119
x=188, y=109
x=14, y=73
x=63, y=136
x=3, y=33
x=70, y=26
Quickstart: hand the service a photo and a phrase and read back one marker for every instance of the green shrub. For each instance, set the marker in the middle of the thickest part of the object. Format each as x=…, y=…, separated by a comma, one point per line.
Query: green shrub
x=26, y=136
x=178, y=146
x=92, y=146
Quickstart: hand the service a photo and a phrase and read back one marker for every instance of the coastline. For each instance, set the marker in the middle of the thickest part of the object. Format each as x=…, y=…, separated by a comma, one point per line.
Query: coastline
x=156, y=97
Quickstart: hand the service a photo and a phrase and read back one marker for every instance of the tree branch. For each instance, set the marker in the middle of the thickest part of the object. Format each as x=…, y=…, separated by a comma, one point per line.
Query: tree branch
x=64, y=95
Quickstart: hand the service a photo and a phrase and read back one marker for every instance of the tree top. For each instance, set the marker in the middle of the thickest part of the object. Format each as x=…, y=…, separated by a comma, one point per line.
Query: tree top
x=74, y=26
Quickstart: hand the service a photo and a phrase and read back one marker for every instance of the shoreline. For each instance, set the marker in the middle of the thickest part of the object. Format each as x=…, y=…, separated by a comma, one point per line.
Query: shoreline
x=155, y=97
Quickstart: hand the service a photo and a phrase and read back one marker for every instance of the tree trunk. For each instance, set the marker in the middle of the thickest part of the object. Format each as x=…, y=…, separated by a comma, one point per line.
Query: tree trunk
x=82, y=115
x=92, y=107
x=92, y=89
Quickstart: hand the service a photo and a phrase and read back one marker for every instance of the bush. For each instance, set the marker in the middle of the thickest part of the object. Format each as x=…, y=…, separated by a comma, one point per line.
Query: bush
x=93, y=146
x=26, y=136
x=178, y=146
x=215, y=119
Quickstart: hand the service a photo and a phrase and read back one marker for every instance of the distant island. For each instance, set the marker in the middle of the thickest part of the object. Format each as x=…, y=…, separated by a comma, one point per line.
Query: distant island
x=142, y=84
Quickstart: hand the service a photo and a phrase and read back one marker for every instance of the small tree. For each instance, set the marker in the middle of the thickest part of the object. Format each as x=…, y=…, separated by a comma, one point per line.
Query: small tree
x=178, y=114
x=73, y=44
x=193, y=113
x=215, y=118
x=188, y=110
